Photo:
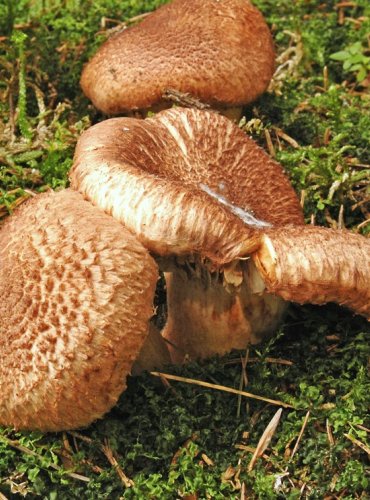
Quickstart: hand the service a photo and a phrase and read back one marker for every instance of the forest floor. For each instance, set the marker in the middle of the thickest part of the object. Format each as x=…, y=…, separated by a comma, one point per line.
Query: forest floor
x=178, y=440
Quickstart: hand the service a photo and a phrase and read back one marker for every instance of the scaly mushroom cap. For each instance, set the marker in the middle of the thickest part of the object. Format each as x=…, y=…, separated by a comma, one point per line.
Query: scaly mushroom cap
x=185, y=181
x=317, y=265
x=76, y=293
x=220, y=52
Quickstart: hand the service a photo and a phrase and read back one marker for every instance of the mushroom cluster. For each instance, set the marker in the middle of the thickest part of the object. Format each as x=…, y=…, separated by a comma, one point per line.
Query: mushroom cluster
x=185, y=191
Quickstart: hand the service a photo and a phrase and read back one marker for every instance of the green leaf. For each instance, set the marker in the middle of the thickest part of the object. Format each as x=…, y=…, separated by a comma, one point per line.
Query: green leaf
x=342, y=55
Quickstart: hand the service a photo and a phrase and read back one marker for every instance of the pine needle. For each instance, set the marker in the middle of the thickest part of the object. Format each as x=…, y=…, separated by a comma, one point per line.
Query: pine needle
x=221, y=388
x=360, y=444
x=27, y=451
x=300, y=435
x=108, y=452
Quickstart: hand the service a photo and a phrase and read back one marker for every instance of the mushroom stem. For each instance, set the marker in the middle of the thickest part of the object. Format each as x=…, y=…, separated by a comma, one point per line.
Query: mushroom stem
x=316, y=265
x=153, y=354
x=207, y=315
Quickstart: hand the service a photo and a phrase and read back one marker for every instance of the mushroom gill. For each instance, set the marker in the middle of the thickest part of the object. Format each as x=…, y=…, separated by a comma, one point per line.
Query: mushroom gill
x=219, y=52
x=76, y=292
x=198, y=194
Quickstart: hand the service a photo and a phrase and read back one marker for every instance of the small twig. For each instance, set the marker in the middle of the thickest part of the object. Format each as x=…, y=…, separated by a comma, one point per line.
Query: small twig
x=243, y=495
x=280, y=133
x=243, y=380
x=325, y=75
x=341, y=217
x=136, y=19
x=184, y=99
x=300, y=435
x=108, y=452
x=277, y=361
x=269, y=143
x=329, y=433
x=3, y=497
x=251, y=449
x=27, y=451
x=363, y=224
x=81, y=437
x=360, y=444
x=184, y=446
x=265, y=439
x=340, y=5
x=363, y=428
x=221, y=388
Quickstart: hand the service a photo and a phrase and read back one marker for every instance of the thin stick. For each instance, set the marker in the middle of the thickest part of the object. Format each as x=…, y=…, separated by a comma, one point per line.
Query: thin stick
x=358, y=443
x=269, y=143
x=300, y=435
x=329, y=433
x=277, y=361
x=80, y=436
x=243, y=380
x=27, y=451
x=221, y=388
x=108, y=452
x=280, y=133
x=362, y=427
x=184, y=99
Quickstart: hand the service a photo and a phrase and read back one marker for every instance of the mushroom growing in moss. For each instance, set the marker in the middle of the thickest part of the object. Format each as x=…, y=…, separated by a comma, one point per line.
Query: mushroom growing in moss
x=76, y=292
x=219, y=52
x=215, y=210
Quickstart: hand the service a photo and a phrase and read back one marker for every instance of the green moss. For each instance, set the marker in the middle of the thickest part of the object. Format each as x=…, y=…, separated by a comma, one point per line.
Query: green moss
x=186, y=440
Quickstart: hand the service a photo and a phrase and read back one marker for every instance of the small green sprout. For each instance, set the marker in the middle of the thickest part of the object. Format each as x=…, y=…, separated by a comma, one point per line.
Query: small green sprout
x=354, y=60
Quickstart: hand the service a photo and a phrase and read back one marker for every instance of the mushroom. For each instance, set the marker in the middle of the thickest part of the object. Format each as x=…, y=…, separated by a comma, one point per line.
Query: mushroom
x=189, y=185
x=220, y=52
x=76, y=292
x=204, y=198
x=316, y=265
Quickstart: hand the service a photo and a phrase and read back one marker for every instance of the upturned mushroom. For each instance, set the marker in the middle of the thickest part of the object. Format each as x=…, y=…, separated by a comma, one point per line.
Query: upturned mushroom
x=76, y=291
x=195, y=189
x=220, y=52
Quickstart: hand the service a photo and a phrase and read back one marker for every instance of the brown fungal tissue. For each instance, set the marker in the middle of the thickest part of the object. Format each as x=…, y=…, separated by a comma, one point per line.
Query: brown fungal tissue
x=224, y=223
x=76, y=291
x=220, y=52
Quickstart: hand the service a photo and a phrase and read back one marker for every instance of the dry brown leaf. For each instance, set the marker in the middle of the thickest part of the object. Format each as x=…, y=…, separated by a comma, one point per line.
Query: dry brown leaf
x=265, y=439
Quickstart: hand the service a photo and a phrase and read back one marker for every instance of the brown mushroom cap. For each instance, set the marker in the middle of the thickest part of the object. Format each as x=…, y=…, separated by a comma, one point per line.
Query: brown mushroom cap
x=218, y=51
x=184, y=181
x=317, y=265
x=76, y=293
